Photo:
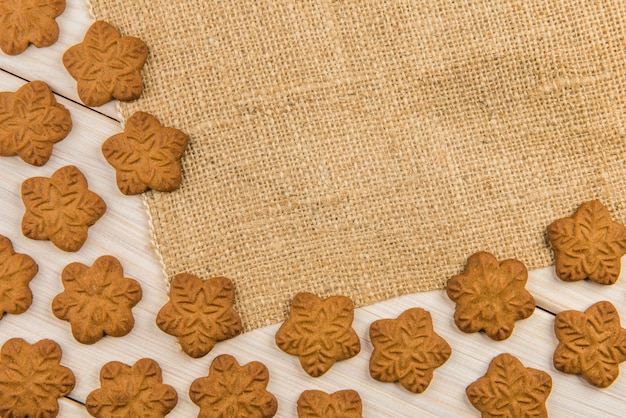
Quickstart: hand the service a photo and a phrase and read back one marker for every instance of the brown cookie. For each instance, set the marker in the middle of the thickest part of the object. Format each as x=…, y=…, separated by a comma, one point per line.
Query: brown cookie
x=16, y=271
x=97, y=300
x=32, y=378
x=510, y=390
x=592, y=343
x=319, y=332
x=407, y=350
x=588, y=244
x=60, y=208
x=146, y=155
x=32, y=122
x=106, y=65
x=231, y=390
x=200, y=313
x=24, y=22
x=131, y=391
x=318, y=404
x=490, y=296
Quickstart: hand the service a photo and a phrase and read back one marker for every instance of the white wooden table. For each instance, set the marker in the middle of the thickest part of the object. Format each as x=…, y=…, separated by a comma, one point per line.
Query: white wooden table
x=124, y=233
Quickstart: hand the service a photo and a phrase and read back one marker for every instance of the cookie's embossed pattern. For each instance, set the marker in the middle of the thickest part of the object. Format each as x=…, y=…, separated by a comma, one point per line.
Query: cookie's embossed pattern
x=32, y=378
x=60, y=208
x=97, y=300
x=31, y=122
x=24, y=22
x=131, y=391
x=16, y=271
x=146, y=155
x=106, y=65
x=341, y=404
x=588, y=244
x=231, y=390
x=407, y=350
x=510, y=390
x=592, y=343
x=319, y=332
x=200, y=313
x=490, y=296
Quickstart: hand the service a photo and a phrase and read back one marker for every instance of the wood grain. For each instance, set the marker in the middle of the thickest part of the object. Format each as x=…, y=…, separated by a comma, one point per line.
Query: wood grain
x=124, y=233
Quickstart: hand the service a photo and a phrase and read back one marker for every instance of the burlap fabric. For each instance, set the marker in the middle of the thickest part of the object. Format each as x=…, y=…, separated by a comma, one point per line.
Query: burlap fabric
x=367, y=148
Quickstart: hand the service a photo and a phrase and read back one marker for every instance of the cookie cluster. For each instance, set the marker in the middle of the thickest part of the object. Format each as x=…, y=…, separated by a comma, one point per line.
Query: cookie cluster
x=97, y=300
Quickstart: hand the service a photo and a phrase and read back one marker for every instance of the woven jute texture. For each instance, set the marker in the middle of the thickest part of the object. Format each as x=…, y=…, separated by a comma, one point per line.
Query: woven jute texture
x=367, y=148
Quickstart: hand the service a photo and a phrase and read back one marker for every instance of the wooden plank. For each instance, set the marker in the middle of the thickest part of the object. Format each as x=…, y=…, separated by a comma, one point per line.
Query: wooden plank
x=71, y=408
x=45, y=63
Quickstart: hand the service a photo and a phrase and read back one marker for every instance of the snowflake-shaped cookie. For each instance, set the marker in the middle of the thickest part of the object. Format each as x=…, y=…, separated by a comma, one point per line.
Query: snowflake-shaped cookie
x=319, y=332
x=490, y=296
x=231, y=390
x=24, y=22
x=106, y=65
x=31, y=122
x=16, y=271
x=32, y=378
x=407, y=350
x=588, y=245
x=200, y=313
x=592, y=343
x=341, y=404
x=97, y=300
x=60, y=208
x=146, y=155
x=131, y=391
x=510, y=390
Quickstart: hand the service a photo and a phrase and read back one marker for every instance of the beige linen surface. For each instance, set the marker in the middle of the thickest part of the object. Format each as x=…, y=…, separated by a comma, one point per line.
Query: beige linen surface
x=367, y=148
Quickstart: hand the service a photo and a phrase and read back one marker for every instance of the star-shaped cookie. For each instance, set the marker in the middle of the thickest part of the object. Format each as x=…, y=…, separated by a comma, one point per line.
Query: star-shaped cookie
x=510, y=390
x=591, y=344
x=588, y=244
x=200, y=313
x=60, y=208
x=31, y=122
x=131, y=391
x=146, y=155
x=97, y=300
x=319, y=332
x=16, y=271
x=106, y=65
x=32, y=378
x=24, y=22
x=407, y=350
x=231, y=390
x=341, y=404
x=490, y=296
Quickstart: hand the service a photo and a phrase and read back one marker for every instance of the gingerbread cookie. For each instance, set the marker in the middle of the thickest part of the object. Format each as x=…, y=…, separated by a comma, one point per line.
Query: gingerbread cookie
x=32, y=379
x=510, y=390
x=319, y=332
x=591, y=344
x=97, y=300
x=24, y=22
x=231, y=390
x=318, y=404
x=131, y=391
x=32, y=122
x=407, y=350
x=588, y=244
x=146, y=155
x=200, y=313
x=490, y=296
x=60, y=208
x=106, y=65
x=16, y=271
